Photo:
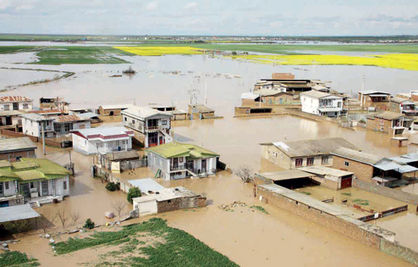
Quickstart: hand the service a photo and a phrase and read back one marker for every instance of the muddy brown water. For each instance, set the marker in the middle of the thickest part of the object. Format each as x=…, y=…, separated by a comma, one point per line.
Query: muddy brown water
x=248, y=237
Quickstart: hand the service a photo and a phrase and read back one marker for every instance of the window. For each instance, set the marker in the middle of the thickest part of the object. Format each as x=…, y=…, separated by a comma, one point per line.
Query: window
x=32, y=185
x=126, y=119
x=181, y=160
x=65, y=185
x=25, y=106
x=133, y=121
x=346, y=163
x=298, y=162
x=324, y=160
x=6, y=107
x=164, y=122
x=6, y=185
x=309, y=161
x=339, y=104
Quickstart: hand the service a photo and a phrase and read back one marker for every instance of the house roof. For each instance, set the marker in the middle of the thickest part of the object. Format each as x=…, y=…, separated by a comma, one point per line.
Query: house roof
x=104, y=133
x=33, y=169
x=36, y=117
x=69, y=118
x=322, y=170
x=249, y=95
x=201, y=108
x=16, y=144
x=175, y=149
x=122, y=106
x=147, y=185
x=10, y=113
x=270, y=92
x=314, y=147
x=17, y=213
x=388, y=164
x=318, y=94
x=356, y=155
x=11, y=99
x=285, y=175
x=389, y=115
x=401, y=100
x=46, y=111
x=144, y=112
x=373, y=92
x=167, y=194
x=406, y=158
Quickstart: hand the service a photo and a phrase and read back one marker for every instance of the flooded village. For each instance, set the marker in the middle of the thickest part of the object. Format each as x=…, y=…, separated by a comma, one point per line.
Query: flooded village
x=258, y=164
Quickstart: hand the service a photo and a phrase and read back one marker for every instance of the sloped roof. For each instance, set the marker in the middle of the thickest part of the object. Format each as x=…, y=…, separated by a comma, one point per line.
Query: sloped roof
x=389, y=115
x=314, y=147
x=146, y=185
x=69, y=118
x=121, y=155
x=175, y=149
x=356, y=155
x=104, y=132
x=372, y=92
x=144, y=112
x=201, y=108
x=11, y=99
x=285, y=175
x=16, y=144
x=17, y=213
x=388, y=164
x=33, y=169
x=323, y=170
x=318, y=94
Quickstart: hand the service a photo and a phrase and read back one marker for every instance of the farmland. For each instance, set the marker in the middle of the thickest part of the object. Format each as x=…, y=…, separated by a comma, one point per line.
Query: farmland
x=160, y=50
x=151, y=243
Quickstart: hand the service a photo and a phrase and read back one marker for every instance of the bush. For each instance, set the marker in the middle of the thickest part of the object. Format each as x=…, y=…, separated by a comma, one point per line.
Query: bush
x=89, y=224
x=112, y=186
x=133, y=193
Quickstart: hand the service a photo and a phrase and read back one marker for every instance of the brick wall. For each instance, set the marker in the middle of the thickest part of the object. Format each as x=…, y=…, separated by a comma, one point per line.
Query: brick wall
x=181, y=203
x=361, y=171
x=14, y=155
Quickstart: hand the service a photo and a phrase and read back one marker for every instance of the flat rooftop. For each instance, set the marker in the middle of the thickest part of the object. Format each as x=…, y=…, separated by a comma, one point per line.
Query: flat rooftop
x=322, y=170
x=17, y=213
x=285, y=175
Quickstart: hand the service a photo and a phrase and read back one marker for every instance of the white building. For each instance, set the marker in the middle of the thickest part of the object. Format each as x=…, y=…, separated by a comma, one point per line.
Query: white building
x=322, y=104
x=153, y=125
x=54, y=126
x=176, y=161
x=22, y=103
x=102, y=140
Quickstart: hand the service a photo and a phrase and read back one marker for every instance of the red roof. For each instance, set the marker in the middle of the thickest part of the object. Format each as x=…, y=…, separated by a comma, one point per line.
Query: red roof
x=45, y=111
x=10, y=99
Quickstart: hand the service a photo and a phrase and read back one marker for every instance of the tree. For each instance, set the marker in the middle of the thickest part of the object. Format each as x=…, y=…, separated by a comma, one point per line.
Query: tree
x=61, y=215
x=133, y=193
x=119, y=206
x=245, y=174
x=75, y=217
x=89, y=224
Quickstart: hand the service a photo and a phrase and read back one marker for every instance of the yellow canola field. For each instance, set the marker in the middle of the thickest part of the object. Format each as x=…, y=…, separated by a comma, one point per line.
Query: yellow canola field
x=397, y=61
x=160, y=50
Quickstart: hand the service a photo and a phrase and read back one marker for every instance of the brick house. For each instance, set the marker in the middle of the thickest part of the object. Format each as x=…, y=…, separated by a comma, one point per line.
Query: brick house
x=388, y=122
x=12, y=149
x=375, y=100
x=296, y=154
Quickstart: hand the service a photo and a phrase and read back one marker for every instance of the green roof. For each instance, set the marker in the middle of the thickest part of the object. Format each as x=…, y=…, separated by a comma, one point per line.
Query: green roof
x=5, y=163
x=175, y=150
x=28, y=169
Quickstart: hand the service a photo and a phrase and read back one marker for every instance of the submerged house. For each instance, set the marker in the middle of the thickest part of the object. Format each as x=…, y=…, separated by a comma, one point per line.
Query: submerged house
x=404, y=106
x=12, y=149
x=388, y=122
x=53, y=103
x=32, y=178
x=374, y=100
x=296, y=154
x=102, y=140
x=11, y=107
x=153, y=126
x=199, y=111
x=177, y=160
x=167, y=199
x=322, y=104
x=112, y=110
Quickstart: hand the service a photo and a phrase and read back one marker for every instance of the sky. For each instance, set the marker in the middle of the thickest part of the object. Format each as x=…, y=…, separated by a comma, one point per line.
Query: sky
x=210, y=17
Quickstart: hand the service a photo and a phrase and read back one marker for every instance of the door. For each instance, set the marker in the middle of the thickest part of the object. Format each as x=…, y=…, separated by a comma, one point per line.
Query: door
x=203, y=165
x=15, y=106
x=1, y=189
x=8, y=120
x=25, y=190
x=175, y=163
x=346, y=182
x=161, y=140
x=44, y=188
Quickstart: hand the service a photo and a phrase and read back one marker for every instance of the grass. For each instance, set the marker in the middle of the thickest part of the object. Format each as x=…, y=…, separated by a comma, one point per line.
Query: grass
x=397, y=61
x=346, y=194
x=259, y=208
x=160, y=50
x=362, y=202
x=16, y=258
x=178, y=248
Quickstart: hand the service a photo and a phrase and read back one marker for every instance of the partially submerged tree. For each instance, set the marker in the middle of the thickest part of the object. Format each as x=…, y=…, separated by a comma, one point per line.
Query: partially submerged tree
x=119, y=206
x=133, y=193
x=245, y=174
x=75, y=217
x=61, y=215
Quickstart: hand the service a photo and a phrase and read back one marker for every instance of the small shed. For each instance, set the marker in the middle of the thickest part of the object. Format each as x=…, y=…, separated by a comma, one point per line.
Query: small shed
x=17, y=213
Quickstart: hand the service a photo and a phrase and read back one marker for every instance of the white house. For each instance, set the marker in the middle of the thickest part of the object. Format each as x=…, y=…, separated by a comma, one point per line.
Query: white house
x=22, y=103
x=32, y=178
x=176, y=161
x=322, y=104
x=54, y=126
x=102, y=140
x=153, y=125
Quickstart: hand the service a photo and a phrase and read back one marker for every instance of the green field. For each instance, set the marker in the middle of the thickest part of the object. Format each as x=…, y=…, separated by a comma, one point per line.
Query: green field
x=16, y=258
x=56, y=55
x=151, y=243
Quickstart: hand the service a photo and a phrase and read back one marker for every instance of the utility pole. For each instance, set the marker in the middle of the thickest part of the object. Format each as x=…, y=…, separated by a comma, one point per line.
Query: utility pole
x=43, y=137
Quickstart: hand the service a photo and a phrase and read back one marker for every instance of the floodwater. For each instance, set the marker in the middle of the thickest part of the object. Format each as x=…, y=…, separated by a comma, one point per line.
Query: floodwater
x=248, y=238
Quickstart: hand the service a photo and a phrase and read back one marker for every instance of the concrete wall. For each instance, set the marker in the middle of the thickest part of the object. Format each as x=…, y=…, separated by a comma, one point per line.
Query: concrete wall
x=181, y=203
x=13, y=155
x=281, y=99
x=361, y=171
